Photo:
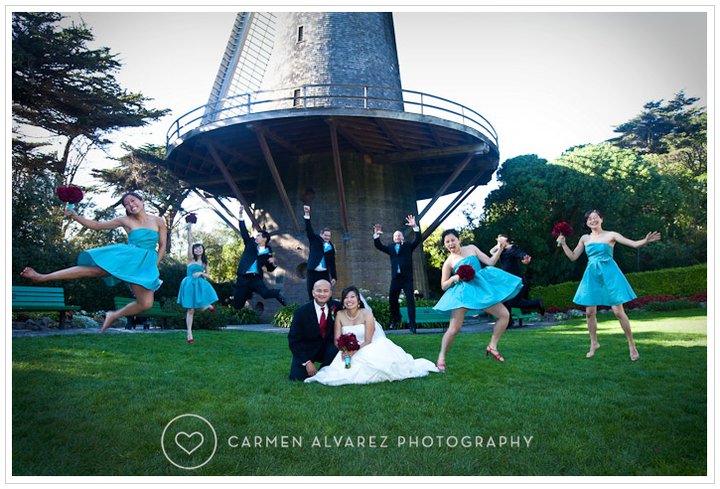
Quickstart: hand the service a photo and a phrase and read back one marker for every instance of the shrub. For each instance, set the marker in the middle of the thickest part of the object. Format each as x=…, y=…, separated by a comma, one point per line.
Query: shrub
x=678, y=282
x=283, y=317
x=223, y=316
x=674, y=305
x=381, y=310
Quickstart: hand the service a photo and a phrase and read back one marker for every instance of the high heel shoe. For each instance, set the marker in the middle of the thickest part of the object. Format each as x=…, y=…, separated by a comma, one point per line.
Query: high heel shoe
x=211, y=308
x=191, y=341
x=494, y=353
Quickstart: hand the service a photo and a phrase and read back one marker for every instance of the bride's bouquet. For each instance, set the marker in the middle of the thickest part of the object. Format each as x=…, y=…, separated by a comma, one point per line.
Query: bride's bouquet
x=348, y=342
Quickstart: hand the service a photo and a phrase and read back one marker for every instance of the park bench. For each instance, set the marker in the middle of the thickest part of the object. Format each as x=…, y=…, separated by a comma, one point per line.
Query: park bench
x=154, y=311
x=517, y=315
x=35, y=299
x=425, y=315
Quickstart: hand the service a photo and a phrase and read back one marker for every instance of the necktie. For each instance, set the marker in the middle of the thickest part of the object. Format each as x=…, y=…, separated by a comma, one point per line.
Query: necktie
x=323, y=322
x=397, y=252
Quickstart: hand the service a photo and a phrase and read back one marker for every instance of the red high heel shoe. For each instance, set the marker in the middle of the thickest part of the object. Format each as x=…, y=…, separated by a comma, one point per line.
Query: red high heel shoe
x=494, y=353
x=441, y=367
x=212, y=308
x=191, y=341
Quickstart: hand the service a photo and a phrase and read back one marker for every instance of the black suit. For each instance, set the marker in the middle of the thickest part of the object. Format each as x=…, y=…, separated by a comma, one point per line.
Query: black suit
x=401, y=269
x=316, y=254
x=305, y=341
x=510, y=261
x=247, y=282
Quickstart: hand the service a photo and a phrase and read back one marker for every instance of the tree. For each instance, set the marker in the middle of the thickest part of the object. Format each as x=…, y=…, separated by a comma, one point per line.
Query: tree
x=661, y=128
x=69, y=90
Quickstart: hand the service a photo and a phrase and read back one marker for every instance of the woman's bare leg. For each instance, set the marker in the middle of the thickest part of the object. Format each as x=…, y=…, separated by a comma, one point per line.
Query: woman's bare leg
x=143, y=301
x=70, y=273
x=457, y=317
x=189, y=322
x=591, y=317
x=625, y=324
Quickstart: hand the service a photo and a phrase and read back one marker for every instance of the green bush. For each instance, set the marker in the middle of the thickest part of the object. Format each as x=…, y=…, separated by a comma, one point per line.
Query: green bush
x=682, y=282
x=676, y=305
x=381, y=311
x=223, y=316
x=283, y=317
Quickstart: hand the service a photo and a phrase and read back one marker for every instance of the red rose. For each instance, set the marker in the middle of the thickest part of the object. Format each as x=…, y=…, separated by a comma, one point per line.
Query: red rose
x=70, y=194
x=466, y=273
x=348, y=342
x=562, y=228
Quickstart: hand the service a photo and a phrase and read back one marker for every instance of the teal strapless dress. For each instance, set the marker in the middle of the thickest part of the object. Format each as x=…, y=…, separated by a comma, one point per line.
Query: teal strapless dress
x=489, y=286
x=134, y=262
x=195, y=292
x=603, y=284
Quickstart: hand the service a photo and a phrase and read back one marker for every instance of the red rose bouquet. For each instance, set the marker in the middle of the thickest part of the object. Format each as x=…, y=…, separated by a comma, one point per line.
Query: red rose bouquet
x=562, y=229
x=70, y=195
x=466, y=273
x=191, y=218
x=348, y=342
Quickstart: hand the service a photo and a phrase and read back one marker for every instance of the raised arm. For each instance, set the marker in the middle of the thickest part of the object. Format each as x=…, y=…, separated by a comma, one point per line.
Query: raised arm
x=410, y=221
x=190, y=256
x=574, y=254
x=649, y=238
x=96, y=225
x=377, y=231
x=243, y=227
x=489, y=260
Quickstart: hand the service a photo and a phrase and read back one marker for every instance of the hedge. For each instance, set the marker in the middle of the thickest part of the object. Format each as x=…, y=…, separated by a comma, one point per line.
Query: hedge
x=679, y=282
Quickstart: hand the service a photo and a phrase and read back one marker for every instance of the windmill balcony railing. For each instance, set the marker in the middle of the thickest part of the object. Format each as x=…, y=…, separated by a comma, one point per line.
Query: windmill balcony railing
x=326, y=96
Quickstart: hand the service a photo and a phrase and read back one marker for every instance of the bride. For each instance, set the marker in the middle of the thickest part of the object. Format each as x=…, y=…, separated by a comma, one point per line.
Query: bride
x=378, y=359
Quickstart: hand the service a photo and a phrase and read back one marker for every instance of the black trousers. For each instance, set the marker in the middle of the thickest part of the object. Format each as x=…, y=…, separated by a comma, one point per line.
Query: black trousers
x=246, y=285
x=402, y=282
x=325, y=355
x=313, y=276
x=522, y=300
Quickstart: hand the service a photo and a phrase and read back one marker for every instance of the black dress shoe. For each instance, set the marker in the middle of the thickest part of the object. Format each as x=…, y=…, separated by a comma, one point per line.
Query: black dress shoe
x=412, y=328
x=281, y=299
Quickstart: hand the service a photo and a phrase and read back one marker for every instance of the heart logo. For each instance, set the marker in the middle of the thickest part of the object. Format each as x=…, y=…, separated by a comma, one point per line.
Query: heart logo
x=183, y=440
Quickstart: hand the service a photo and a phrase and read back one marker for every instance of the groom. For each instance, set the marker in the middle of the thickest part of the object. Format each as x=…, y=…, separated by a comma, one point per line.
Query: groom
x=312, y=336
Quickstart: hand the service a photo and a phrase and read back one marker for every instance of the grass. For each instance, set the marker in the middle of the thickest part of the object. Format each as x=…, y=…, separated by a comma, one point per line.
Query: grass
x=98, y=405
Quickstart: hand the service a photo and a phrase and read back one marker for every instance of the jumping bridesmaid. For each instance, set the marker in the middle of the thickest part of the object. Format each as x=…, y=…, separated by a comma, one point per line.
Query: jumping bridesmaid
x=603, y=284
x=135, y=263
x=195, y=291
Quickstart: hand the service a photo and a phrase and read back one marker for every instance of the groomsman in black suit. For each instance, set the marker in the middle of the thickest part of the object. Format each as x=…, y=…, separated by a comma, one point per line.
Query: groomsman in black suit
x=321, y=259
x=256, y=256
x=312, y=333
x=401, y=270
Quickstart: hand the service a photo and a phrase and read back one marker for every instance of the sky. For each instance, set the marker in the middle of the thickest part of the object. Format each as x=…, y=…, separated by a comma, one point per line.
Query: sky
x=546, y=80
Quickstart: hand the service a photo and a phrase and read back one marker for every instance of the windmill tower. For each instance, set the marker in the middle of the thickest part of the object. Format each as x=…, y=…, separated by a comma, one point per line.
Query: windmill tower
x=308, y=107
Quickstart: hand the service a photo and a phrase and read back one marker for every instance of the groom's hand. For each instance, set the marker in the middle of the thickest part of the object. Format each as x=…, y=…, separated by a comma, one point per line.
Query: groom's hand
x=311, y=369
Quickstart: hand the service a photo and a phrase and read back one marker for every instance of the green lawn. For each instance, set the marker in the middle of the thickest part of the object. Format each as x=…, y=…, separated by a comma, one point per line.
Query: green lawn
x=98, y=405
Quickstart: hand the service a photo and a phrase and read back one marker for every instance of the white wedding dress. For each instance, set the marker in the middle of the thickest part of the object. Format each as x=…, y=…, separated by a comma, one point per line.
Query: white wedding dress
x=380, y=361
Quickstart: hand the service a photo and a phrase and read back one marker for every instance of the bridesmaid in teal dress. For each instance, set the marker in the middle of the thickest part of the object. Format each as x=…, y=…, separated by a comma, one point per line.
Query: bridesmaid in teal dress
x=603, y=284
x=135, y=263
x=487, y=290
x=195, y=292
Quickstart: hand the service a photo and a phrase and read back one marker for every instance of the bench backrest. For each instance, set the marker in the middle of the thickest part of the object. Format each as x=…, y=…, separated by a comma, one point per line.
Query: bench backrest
x=121, y=302
x=33, y=296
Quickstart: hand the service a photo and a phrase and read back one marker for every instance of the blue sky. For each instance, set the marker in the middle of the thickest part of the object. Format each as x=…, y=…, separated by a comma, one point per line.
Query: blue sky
x=547, y=80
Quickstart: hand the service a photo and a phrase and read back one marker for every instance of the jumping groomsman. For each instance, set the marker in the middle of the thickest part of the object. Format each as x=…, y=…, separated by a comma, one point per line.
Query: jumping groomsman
x=321, y=259
x=256, y=256
x=401, y=270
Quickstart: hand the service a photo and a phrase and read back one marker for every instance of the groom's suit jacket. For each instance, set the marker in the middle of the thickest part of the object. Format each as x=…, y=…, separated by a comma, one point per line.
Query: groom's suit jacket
x=304, y=337
x=401, y=259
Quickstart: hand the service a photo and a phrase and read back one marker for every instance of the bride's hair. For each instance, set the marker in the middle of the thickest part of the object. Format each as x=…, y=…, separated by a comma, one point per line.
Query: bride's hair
x=346, y=291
